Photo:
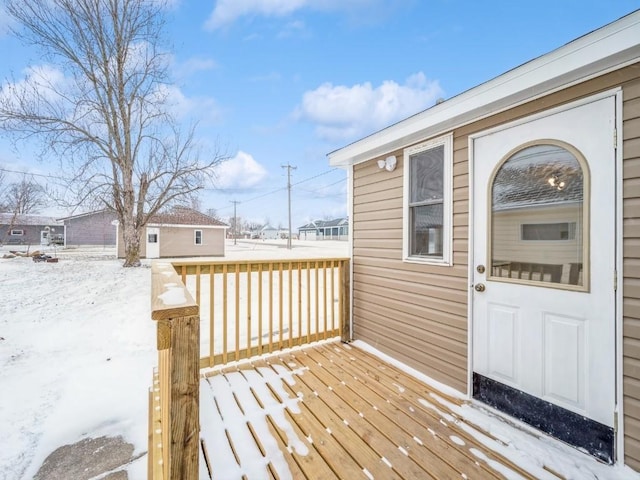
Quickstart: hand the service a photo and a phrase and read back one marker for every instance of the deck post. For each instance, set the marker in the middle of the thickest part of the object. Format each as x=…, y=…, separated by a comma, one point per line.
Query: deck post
x=178, y=337
x=346, y=302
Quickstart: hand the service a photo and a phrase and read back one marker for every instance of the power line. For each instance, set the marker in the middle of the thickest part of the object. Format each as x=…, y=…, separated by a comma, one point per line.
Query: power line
x=318, y=190
x=252, y=199
x=6, y=170
x=262, y=195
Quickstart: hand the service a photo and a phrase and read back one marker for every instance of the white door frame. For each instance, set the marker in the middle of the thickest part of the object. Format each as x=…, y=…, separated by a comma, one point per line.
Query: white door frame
x=617, y=93
x=152, y=249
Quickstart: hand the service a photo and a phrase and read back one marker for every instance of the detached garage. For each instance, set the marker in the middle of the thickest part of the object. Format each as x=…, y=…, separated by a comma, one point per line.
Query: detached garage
x=183, y=232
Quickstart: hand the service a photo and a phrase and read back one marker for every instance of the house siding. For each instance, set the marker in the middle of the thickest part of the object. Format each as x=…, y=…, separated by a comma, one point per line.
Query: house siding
x=415, y=312
x=631, y=270
x=180, y=242
x=91, y=229
x=418, y=313
x=30, y=236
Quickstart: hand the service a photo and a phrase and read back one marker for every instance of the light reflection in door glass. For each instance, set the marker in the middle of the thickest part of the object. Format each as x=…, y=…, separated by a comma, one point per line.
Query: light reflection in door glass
x=537, y=217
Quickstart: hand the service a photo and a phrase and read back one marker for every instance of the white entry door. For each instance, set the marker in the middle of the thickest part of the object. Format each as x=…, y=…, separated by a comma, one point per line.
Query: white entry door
x=544, y=265
x=153, y=242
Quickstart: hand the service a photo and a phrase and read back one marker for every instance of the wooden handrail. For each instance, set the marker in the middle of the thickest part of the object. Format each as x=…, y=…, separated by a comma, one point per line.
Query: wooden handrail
x=306, y=300
x=178, y=340
x=277, y=303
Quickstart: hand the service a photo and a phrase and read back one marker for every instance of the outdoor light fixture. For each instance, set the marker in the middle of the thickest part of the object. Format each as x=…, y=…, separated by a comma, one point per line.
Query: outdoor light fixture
x=389, y=163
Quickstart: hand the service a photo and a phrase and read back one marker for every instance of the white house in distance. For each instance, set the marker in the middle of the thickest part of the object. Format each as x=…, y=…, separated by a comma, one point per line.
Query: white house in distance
x=268, y=232
x=335, y=229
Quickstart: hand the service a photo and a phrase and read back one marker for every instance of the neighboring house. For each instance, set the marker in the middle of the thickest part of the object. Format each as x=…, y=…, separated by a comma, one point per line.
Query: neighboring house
x=496, y=241
x=268, y=233
x=28, y=229
x=92, y=228
x=336, y=229
x=182, y=232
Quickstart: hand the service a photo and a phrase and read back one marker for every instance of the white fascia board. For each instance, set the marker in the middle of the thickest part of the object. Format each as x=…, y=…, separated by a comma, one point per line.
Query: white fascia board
x=610, y=47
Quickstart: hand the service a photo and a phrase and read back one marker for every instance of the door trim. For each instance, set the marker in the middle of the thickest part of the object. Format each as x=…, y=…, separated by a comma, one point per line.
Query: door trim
x=618, y=456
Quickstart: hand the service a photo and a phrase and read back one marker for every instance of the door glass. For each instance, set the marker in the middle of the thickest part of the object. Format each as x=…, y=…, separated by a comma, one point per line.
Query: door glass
x=537, y=221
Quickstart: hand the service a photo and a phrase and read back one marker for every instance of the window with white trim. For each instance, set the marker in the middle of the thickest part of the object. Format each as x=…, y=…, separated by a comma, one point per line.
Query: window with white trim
x=17, y=233
x=198, y=237
x=428, y=201
x=557, y=231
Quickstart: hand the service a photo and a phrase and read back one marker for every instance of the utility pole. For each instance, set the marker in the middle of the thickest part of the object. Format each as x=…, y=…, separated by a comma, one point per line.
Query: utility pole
x=289, y=168
x=235, y=222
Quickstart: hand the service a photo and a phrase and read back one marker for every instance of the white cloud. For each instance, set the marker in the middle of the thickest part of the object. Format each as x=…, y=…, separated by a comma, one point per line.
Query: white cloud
x=199, y=108
x=46, y=80
x=341, y=112
x=227, y=11
x=240, y=172
x=195, y=65
x=291, y=29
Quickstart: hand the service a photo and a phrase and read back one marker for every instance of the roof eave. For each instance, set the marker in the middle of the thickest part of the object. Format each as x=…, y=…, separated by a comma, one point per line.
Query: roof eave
x=608, y=48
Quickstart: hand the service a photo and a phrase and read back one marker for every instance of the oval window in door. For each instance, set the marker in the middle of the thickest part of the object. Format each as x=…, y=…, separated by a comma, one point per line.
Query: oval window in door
x=538, y=218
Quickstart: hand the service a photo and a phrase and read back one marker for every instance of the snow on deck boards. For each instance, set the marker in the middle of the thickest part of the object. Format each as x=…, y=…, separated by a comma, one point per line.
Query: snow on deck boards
x=335, y=411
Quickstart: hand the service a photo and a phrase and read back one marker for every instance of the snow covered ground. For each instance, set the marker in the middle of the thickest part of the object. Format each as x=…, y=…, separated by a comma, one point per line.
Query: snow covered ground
x=77, y=350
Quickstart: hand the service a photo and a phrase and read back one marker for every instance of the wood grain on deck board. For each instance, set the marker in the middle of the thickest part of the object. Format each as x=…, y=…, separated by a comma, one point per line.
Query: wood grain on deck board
x=357, y=416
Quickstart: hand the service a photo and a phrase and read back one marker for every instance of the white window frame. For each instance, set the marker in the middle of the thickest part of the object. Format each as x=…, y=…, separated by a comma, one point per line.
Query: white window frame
x=195, y=237
x=17, y=232
x=447, y=190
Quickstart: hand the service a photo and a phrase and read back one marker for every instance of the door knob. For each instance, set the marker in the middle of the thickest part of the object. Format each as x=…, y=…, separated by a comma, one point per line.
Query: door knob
x=479, y=287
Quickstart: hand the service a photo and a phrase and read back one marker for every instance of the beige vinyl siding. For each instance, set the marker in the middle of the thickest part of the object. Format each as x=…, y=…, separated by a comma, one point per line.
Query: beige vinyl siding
x=180, y=242
x=418, y=313
x=631, y=269
x=508, y=243
x=415, y=312
x=143, y=244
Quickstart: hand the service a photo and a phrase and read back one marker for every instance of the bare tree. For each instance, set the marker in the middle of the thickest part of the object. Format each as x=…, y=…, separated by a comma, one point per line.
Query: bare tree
x=103, y=109
x=3, y=206
x=24, y=197
x=213, y=213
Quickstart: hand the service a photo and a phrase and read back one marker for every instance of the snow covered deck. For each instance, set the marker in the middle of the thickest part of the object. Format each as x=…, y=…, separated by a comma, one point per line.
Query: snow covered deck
x=333, y=410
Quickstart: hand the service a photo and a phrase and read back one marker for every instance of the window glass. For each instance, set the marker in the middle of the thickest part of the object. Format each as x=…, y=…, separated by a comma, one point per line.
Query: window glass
x=198, y=237
x=427, y=175
x=153, y=238
x=537, y=226
x=426, y=228
x=426, y=203
x=17, y=232
x=548, y=232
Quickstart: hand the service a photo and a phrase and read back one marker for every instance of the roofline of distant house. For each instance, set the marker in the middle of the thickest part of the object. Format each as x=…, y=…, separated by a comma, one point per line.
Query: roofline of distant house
x=80, y=215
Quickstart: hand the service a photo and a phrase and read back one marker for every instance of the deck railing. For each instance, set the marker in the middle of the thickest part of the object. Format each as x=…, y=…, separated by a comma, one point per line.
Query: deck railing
x=212, y=313
x=249, y=308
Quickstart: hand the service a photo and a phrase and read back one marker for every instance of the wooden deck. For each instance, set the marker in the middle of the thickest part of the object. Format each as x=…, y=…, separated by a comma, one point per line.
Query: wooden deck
x=336, y=411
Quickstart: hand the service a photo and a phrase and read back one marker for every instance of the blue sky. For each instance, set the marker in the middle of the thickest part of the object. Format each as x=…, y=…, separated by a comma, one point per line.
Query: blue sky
x=288, y=81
